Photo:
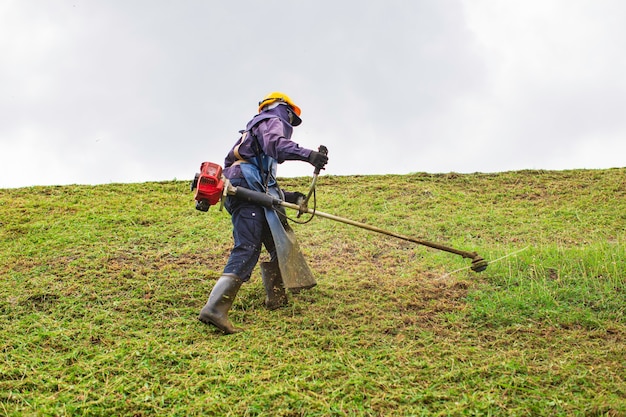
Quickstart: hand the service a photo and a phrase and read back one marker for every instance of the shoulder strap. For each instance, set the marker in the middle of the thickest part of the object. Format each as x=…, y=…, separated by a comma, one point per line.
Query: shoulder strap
x=257, y=152
x=259, y=160
x=244, y=134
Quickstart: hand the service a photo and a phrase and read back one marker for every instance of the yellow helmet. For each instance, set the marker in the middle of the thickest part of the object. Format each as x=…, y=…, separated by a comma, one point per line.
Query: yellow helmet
x=278, y=97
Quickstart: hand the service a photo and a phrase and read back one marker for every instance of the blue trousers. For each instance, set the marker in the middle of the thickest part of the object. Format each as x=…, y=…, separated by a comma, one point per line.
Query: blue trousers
x=250, y=233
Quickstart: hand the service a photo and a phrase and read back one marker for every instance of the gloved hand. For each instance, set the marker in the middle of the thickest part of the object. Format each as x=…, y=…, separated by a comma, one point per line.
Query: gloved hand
x=318, y=159
x=293, y=197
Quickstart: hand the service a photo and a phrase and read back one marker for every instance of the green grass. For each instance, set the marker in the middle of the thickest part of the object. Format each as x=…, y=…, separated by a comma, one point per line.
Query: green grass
x=101, y=285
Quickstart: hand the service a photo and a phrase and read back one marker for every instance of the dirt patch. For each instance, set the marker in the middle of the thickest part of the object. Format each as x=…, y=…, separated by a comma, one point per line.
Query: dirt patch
x=41, y=302
x=428, y=302
x=160, y=261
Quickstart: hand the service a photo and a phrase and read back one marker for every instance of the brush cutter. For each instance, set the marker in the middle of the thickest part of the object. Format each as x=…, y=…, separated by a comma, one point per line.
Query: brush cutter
x=479, y=264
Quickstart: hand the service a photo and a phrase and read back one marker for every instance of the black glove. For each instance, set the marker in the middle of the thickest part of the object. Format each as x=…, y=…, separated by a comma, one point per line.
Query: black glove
x=318, y=159
x=293, y=197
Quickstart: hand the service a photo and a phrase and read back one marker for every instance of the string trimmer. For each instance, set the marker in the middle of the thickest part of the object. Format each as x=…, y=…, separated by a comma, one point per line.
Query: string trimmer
x=209, y=184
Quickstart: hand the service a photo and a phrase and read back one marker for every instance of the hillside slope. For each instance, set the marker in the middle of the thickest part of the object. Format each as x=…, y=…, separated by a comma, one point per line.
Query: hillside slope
x=101, y=286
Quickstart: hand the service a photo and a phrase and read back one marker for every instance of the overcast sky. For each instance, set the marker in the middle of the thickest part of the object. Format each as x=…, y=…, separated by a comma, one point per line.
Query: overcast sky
x=101, y=91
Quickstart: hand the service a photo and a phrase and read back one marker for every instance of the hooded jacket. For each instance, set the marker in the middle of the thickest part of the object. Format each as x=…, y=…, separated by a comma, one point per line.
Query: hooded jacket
x=272, y=131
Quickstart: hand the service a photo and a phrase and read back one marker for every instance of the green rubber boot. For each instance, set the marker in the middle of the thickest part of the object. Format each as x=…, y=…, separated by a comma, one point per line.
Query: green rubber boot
x=215, y=311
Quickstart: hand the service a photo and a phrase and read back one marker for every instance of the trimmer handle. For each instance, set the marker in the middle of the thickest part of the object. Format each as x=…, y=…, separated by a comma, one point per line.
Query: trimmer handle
x=324, y=150
x=303, y=204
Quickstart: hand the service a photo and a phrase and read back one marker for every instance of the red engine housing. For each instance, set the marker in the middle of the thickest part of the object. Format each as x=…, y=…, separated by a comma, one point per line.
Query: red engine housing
x=209, y=183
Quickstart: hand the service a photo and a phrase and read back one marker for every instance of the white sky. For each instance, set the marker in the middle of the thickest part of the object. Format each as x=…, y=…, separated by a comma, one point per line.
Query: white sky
x=99, y=91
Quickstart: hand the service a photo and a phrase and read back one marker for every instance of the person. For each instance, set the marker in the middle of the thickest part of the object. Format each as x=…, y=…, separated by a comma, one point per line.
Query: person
x=251, y=163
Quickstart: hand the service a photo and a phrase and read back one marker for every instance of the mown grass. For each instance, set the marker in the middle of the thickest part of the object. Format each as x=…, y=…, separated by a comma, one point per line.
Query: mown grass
x=101, y=286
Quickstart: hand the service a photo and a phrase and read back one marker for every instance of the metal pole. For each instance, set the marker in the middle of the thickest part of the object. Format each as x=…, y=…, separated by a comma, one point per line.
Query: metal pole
x=265, y=200
x=463, y=253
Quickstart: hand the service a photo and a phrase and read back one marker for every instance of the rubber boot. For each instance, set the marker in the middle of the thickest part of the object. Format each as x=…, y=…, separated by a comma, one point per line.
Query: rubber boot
x=215, y=311
x=275, y=295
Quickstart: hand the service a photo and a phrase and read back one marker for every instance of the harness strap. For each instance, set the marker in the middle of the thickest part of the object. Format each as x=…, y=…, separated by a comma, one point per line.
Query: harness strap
x=241, y=160
x=236, y=148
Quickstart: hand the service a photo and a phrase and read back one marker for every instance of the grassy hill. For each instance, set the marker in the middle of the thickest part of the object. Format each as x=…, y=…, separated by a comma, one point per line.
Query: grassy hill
x=101, y=285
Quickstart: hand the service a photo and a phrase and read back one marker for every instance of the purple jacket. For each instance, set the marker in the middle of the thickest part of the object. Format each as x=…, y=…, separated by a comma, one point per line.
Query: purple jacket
x=273, y=131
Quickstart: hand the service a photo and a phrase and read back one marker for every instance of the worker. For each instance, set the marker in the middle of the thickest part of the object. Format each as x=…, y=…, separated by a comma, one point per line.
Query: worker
x=251, y=163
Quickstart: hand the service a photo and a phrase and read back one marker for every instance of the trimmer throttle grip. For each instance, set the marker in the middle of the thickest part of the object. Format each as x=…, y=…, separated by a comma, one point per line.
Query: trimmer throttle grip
x=323, y=150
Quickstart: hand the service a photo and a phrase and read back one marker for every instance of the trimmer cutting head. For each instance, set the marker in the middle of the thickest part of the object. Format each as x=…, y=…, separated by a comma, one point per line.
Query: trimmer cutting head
x=478, y=264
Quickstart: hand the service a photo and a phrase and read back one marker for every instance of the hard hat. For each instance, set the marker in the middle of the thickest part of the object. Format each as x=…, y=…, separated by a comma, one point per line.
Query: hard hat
x=280, y=98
